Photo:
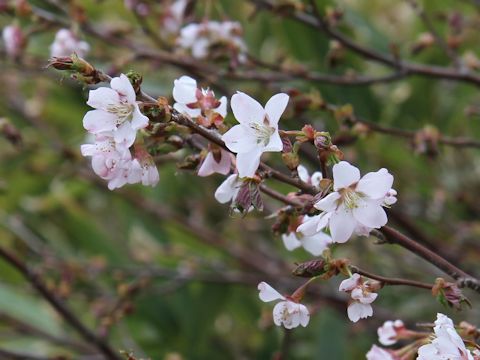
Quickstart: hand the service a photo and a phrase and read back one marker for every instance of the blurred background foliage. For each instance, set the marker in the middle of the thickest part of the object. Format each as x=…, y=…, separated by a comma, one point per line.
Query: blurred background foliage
x=163, y=271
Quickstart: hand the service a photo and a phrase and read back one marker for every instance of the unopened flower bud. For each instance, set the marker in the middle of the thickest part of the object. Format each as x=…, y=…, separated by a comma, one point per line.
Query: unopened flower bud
x=310, y=268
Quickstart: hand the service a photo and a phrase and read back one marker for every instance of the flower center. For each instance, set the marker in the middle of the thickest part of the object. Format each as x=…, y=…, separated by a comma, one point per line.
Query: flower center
x=350, y=198
x=262, y=133
x=122, y=111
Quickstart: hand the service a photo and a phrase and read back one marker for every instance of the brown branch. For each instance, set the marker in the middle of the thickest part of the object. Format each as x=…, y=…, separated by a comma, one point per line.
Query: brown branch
x=58, y=305
x=391, y=281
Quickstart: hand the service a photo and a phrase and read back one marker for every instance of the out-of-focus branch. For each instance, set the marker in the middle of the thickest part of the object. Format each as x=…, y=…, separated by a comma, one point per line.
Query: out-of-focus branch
x=62, y=309
x=391, y=281
x=315, y=20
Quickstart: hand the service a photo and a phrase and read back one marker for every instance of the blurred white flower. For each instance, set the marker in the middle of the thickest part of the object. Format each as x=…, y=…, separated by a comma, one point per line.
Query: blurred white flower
x=13, y=39
x=228, y=190
x=287, y=312
x=387, y=333
x=447, y=344
x=377, y=353
x=257, y=132
x=313, y=180
x=201, y=39
x=66, y=43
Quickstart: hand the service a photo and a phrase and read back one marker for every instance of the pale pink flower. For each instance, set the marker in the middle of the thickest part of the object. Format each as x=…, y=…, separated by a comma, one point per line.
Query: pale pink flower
x=288, y=313
x=116, y=111
x=356, y=205
x=387, y=333
x=212, y=165
x=361, y=298
x=447, y=344
x=13, y=39
x=195, y=102
x=257, y=132
x=378, y=353
x=315, y=244
x=66, y=43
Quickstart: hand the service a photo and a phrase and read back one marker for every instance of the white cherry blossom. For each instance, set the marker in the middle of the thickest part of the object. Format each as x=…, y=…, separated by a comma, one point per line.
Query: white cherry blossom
x=355, y=205
x=377, y=353
x=116, y=111
x=195, y=102
x=288, y=313
x=66, y=43
x=387, y=333
x=211, y=164
x=257, y=132
x=315, y=244
x=447, y=344
x=361, y=298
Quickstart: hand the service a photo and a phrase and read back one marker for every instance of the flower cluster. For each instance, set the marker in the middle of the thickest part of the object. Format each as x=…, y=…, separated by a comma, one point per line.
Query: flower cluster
x=66, y=43
x=355, y=205
x=213, y=39
x=287, y=312
x=315, y=244
x=362, y=294
x=114, y=124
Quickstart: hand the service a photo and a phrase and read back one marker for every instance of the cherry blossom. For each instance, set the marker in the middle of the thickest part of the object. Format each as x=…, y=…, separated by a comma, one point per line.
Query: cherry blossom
x=217, y=161
x=228, y=190
x=447, y=344
x=116, y=111
x=355, y=205
x=361, y=297
x=287, y=312
x=66, y=43
x=198, y=103
x=387, y=333
x=202, y=38
x=315, y=244
x=14, y=40
x=172, y=19
x=313, y=180
x=257, y=132
x=378, y=353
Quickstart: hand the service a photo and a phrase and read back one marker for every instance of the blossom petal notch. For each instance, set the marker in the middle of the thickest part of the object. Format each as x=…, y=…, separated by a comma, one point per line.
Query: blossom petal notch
x=286, y=313
x=257, y=131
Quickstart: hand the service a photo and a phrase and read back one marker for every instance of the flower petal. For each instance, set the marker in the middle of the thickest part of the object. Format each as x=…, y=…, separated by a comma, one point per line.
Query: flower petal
x=227, y=190
x=329, y=202
x=124, y=88
x=303, y=173
x=222, y=108
x=184, y=90
x=309, y=226
x=97, y=121
x=291, y=241
x=349, y=284
x=246, y=109
x=102, y=97
x=268, y=293
x=370, y=214
x=375, y=184
x=139, y=121
x=344, y=175
x=357, y=311
x=184, y=109
x=317, y=244
x=342, y=224
x=275, y=143
x=247, y=163
x=239, y=140
x=275, y=108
